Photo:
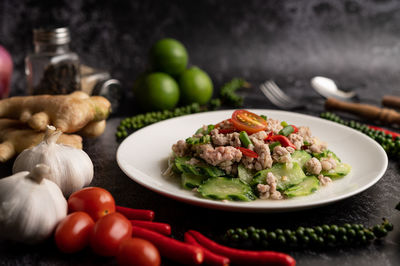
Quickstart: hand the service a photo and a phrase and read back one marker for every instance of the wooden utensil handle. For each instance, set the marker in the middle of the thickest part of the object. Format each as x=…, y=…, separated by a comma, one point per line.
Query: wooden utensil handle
x=391, y=101
x=364, y=110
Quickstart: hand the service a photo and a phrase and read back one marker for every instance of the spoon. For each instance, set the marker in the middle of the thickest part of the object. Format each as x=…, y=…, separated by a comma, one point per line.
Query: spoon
x=328, y=88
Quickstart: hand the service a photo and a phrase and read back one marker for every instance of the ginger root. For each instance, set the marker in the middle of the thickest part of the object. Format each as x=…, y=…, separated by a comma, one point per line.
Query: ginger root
x=68, y=113
x=15, y=137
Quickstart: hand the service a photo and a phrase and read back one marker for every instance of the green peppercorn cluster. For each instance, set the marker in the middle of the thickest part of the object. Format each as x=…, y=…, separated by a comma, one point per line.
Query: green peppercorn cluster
x=131, y=124
x=390, y=145
x=316, y=236
x=228, y=94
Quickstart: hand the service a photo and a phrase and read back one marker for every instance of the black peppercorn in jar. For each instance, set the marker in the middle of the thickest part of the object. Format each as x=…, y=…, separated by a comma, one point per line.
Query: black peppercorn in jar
x=52, y=68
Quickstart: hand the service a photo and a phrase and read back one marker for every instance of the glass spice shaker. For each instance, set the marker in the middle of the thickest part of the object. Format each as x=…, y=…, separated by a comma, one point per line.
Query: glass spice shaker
x=52, y=68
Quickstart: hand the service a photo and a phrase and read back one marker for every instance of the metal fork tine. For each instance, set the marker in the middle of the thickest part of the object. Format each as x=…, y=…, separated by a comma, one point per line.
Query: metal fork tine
x=277, y=95
x=271, y=90
x=270, y=96
x=279, y=92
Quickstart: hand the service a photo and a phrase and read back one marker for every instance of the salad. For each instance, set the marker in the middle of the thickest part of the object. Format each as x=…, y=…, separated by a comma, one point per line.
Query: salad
x=250, y=156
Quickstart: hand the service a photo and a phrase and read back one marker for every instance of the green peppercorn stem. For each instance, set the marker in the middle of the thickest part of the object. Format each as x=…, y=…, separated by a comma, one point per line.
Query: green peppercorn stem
x=131, y=124
x=307, y=237
x=389, y=144
x=229, y=96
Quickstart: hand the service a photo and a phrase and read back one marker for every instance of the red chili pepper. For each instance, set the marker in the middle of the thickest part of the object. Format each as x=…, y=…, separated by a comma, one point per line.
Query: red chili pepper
x=244, y=257
x=170, y=248
x=248, y=152
x=284, y=141
x=161, y=228
x=394, y=134
x=295, y=129
x=210, y=258
x=135, y=214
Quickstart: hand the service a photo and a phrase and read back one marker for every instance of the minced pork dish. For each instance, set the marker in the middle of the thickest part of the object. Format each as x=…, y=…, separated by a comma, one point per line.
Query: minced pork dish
x=250, y=156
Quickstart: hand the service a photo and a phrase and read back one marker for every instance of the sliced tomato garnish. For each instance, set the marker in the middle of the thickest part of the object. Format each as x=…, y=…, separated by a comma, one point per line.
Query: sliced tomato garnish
x=248, y=152
x=223, y=129
x=247, y=121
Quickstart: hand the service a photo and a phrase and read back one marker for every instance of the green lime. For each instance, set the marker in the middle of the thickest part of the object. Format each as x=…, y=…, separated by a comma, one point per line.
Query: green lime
x=196, y=86
x=156, y=91
x=169, y=56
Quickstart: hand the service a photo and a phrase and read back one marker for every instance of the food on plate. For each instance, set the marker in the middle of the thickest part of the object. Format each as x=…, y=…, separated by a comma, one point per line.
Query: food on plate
x=31, y=206
x=73, y=232
x=195, y=86
x=95, y=201
x=249, y=156
x=68, y=113
x=15, y=137
x=71, y=168
x=169, y=55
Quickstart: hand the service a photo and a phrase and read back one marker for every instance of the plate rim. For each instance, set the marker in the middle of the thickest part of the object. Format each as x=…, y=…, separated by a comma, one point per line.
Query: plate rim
x=236, y=206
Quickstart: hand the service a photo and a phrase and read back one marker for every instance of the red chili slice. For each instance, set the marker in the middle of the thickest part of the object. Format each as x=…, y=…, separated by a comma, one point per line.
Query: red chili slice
x=284, y=141
x=248, y=153
x=295, y=129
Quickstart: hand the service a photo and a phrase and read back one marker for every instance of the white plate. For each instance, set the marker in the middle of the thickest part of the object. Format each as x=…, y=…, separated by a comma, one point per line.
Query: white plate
x=143, y=157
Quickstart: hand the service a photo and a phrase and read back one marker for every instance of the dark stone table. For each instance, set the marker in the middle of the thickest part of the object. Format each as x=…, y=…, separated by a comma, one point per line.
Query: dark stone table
x=354, y=42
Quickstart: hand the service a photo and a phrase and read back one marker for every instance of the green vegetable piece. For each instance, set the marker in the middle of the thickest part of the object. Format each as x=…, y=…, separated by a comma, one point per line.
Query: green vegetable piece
x=286, y=131
x=326, y=154
x=190, y=181
x=301, y=157
x=244, y=174
x=244, y=139
x=284, y=124
x=205, y=131
x=264, y=117
x=198, y=140
x=223, y=188
x=287, y=175
x=202, y=168
x=273, y=145
x=308, y=186
x=341, y=170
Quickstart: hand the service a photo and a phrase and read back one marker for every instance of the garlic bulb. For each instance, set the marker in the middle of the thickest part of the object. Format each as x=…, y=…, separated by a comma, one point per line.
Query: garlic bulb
x=30, y=206
x=71, y=168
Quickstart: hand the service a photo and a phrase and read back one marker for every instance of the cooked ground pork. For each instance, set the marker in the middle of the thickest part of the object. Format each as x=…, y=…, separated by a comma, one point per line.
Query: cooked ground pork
x=264, y=159
x=297, y=140
x=324, y=180
x=222, y=156
x=273, y=125
x=328, y=163
x=269, y=191
x=317, y=146
x=231, y=139
x=313, y=166
x=305, y=133
x=281, y=155
x=181, y=148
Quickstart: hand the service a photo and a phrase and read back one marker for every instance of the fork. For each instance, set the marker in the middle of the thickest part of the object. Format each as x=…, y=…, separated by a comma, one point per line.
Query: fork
x=278, y=97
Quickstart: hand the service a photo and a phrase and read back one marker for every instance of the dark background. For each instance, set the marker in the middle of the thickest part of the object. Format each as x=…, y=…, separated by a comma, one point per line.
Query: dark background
x=355, y=42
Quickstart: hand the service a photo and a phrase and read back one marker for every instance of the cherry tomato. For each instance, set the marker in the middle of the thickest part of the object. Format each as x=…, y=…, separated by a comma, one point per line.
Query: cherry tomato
x=108, y=232
x=247, y=121
x=95, y=201
x=223, y=128
x=137, y=251
x=73, y=232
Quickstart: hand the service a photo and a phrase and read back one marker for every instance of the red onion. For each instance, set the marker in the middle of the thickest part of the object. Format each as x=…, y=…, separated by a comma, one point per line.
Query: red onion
x=6, y=67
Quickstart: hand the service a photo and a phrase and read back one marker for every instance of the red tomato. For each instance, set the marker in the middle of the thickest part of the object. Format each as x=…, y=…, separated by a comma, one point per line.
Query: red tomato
x=108, y=232
x=137, y=251
x=95, y=201
x=247, y=121
x=223, y=128
x=73, y=232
